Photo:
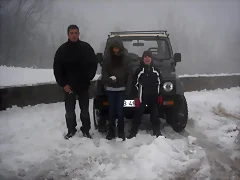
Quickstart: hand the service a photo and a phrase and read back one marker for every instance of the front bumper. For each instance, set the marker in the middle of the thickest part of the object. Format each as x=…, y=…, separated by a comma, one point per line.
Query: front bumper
x=101, y=102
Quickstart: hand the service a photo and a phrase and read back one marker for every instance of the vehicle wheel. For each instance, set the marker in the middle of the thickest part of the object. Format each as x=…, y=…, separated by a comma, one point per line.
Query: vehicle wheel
x=177, y=116
x=100, y=122
x=95, y=116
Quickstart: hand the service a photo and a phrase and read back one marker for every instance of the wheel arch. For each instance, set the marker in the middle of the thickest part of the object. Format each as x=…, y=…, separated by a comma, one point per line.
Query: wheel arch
x=179, y=87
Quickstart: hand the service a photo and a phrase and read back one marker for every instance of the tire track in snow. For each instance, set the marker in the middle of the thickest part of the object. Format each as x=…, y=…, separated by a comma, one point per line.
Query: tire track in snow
x=222, y=166
x=198, y=170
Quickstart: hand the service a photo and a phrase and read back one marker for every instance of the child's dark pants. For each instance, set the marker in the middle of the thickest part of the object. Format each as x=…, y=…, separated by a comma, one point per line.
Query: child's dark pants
x=152, y=104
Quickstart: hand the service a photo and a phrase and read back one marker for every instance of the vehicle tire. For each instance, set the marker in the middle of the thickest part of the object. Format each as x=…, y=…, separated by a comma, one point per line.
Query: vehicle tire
x=99, y=124
x=177, y=116
x=95, y=115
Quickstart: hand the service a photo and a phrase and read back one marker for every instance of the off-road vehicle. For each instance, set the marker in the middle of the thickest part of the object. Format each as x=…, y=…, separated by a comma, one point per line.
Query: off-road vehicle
x=174, y=108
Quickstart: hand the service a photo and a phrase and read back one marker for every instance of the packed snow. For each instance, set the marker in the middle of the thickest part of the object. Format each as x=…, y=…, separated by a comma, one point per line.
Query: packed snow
x=18, y=76
x=32, y=144
x=209, y=75
x=219, y=118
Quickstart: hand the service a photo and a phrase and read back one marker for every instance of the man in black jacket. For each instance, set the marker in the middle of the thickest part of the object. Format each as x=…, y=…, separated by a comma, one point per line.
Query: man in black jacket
x=74, y=67
x=147, y=79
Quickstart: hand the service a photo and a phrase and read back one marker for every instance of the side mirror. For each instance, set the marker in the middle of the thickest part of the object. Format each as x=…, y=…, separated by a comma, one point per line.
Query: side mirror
x=100, y=58
x=177, y=57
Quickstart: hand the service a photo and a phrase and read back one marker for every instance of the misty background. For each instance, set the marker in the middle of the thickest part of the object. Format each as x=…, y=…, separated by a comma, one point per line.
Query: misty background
x=206, y=32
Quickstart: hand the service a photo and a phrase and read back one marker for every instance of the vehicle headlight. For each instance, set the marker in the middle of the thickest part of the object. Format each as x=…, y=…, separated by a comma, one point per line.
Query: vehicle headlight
x=168, y=86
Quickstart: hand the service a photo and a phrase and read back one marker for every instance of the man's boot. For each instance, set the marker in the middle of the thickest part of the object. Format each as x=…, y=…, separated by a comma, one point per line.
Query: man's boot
x=71, y=125
x=86, y=123
x=70, y=133
x=85, y=133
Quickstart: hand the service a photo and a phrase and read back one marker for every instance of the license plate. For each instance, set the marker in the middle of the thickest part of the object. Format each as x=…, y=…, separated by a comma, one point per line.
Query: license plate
x=129, y=103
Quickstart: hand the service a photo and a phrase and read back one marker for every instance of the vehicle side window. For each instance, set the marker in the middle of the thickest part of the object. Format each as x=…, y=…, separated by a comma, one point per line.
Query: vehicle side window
x=163, y=50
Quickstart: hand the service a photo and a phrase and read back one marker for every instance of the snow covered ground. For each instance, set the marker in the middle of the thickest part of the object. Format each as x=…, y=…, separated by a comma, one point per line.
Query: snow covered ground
x=32, y=145
x=219, y=116
x=17, y=76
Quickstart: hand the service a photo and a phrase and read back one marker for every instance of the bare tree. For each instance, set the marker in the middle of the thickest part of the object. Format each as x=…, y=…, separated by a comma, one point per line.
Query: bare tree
x=21, y=28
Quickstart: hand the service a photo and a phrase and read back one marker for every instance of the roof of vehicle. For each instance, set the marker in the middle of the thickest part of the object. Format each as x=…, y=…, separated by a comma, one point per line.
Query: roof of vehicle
x=159, y=33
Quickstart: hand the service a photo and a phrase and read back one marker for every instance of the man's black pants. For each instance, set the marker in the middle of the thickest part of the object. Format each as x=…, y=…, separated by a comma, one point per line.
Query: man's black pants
x=70, y=104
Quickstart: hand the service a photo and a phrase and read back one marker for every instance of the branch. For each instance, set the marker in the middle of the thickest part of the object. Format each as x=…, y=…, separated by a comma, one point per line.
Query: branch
x=19, y=7
x=46, y=11
x=32, y=8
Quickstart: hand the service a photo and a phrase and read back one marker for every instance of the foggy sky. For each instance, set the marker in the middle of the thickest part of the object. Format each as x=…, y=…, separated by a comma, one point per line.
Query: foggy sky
x=207, y=33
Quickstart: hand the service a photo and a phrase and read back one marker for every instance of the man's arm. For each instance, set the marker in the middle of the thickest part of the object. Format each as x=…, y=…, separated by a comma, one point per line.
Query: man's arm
x=92, y=62
x=58, y=69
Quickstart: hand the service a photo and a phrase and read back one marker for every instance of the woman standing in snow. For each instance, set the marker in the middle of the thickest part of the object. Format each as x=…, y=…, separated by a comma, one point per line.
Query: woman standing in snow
x=116, y=75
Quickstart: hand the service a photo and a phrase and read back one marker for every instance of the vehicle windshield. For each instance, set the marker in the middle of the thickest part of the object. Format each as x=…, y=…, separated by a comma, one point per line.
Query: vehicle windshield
x=158, y=47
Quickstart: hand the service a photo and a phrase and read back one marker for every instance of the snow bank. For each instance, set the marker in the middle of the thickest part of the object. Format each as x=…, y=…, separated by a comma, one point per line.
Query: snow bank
x=32, y=147
x=32, y=144
x=208, y=75
x=217, y=114
x=17, y=76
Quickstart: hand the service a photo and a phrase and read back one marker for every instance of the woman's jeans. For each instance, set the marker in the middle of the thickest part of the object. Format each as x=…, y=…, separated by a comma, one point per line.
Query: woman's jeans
x=116, y=109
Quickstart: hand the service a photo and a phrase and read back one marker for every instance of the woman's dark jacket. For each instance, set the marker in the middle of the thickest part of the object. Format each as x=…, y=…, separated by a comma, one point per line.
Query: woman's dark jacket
x=117, y=65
